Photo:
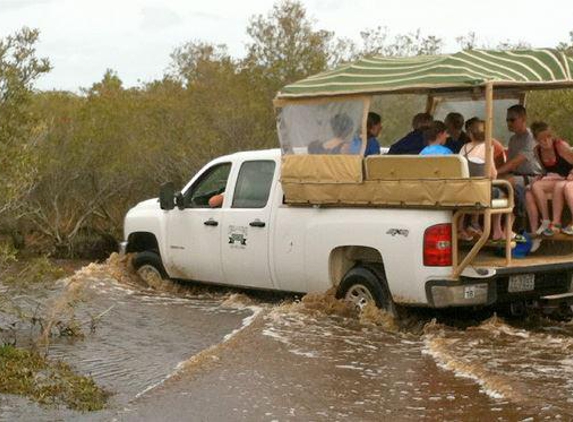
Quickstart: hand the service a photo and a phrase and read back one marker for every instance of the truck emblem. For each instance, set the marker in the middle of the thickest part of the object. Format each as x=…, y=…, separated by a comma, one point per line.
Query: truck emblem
x=400, y=232
x=238, y=237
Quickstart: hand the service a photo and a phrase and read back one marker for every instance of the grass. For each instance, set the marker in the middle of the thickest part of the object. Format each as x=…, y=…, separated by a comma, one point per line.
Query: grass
x=29, y=374
x=31, y=271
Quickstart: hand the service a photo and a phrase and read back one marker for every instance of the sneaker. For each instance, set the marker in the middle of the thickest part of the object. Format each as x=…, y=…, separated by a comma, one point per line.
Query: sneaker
x=553, y=229
x=535, y=244
x=568, y=230
x=544, y=226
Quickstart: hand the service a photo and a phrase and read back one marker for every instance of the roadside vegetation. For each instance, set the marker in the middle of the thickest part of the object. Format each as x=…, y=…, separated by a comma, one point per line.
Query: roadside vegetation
x=28, y=373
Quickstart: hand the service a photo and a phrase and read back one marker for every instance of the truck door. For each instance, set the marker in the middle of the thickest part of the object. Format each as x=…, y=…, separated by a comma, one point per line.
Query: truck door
x=194, y=233
x=245, y=237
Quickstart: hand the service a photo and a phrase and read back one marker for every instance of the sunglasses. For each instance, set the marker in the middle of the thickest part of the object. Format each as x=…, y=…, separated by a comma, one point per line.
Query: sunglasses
x=511, y=119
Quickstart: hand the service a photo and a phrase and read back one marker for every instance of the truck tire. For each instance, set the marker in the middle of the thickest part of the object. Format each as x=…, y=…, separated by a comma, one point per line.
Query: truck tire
x=364, y=284
x=149, y=267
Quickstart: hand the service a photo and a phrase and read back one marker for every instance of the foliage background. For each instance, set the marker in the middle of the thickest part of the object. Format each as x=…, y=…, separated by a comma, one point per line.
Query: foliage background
x=72, y=164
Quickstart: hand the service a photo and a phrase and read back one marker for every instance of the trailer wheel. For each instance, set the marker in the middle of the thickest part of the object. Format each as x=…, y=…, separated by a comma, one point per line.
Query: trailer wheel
x=149, y=267
x=367, y=284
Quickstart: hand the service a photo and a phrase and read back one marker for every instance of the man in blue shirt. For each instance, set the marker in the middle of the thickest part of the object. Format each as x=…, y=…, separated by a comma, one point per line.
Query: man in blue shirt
x=373, y=128
x=413, y=142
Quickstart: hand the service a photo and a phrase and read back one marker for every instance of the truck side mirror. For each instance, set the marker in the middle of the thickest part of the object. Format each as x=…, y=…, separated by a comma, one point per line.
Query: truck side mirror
x=167, y=196
x=180, y=200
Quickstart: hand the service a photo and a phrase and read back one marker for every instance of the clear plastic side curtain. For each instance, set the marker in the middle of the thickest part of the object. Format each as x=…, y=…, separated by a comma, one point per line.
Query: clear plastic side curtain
x=326, y=127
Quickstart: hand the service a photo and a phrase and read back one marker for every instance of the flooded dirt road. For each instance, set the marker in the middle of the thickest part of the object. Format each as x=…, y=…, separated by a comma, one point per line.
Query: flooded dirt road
x=202, y=354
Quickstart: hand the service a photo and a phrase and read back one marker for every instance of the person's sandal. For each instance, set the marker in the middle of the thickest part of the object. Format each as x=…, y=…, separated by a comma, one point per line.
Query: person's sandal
x=474, y=230
x=544, y=226
x=465, y=236
x=552, y=230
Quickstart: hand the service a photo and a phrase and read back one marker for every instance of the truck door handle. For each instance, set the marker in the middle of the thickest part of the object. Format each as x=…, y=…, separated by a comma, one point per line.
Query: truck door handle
x=257, y=223
x=211, y=222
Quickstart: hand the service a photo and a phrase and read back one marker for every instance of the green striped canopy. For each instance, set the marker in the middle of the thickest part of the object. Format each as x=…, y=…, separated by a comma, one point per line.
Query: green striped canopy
x=525, y=69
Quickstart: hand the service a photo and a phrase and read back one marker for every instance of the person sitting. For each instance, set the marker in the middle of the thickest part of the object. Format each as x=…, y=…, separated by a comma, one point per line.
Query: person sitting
x=521, y=165
x=435, y=137
x=498, y=149
x=413, y=142
x=556, y=158
x=475, y=154
x=342, y=128
x=457, y=137
x=373, y=128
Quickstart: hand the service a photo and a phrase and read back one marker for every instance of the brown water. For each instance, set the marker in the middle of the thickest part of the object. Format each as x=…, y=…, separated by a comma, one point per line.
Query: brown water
x=203, y=354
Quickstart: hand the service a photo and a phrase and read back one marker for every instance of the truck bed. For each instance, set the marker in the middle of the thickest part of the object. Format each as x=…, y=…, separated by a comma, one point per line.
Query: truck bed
x=551, y=251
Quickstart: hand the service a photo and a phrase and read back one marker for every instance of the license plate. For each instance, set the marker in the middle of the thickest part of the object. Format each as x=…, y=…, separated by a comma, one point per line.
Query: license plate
x=474, y=291
x=521, y=283
x=469, y=292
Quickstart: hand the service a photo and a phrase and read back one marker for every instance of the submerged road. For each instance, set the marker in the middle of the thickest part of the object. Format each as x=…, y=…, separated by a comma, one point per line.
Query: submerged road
x=202, y=355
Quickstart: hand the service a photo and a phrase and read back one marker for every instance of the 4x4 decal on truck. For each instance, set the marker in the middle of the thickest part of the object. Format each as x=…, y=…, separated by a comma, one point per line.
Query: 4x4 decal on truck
x=401, y=232
x=238, y=237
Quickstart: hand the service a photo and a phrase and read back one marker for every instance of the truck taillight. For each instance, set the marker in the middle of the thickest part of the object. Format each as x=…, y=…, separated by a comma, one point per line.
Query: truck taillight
x=438, y=246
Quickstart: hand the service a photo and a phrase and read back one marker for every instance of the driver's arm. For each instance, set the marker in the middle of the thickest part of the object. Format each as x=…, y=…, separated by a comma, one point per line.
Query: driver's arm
x=216, y=201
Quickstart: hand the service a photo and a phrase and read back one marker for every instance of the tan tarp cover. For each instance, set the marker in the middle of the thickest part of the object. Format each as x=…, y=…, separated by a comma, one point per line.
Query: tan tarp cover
x=322, y=168
x=447, y=193
x=412, y=167
x=337, y=180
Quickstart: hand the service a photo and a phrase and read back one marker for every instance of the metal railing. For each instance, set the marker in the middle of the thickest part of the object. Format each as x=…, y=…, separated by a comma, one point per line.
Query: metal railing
x=457, y=266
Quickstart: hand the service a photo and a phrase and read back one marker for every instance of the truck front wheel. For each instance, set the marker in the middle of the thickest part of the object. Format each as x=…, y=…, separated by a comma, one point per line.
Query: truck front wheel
x=149, y=267
x=365, y=284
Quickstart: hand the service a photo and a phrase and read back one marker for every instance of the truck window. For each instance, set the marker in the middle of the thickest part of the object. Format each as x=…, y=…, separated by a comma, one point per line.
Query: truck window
x=253, y=184
x=212, y=182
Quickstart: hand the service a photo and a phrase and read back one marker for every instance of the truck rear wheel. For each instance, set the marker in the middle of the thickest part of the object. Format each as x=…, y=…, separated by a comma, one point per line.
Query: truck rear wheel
x=367, y=284
x=149, y=267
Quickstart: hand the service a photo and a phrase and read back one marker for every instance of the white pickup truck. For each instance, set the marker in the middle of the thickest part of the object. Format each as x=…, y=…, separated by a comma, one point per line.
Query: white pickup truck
x=255, y=240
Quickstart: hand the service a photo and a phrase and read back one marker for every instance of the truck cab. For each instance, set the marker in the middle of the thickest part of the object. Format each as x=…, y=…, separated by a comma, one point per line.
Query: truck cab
x=198, y=242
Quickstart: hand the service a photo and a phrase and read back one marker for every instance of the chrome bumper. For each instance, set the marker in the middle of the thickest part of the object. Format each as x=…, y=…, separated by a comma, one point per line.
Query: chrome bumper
x=550, y=288
x=122, y=248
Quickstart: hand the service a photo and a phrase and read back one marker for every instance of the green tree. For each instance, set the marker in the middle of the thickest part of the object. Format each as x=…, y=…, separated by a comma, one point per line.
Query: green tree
x=284, y=46
x=196, y=60
x=379, y=42
x=468, y=41
x=19, y=130
x=567, y=47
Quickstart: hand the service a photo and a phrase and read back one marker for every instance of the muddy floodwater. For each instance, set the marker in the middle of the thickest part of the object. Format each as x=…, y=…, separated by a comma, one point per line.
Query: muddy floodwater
x=188, y=353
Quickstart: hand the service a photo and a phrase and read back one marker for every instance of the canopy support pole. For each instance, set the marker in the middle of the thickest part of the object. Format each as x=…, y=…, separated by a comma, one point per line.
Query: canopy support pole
x=488, y=128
